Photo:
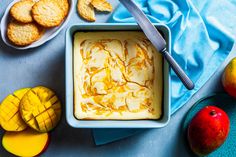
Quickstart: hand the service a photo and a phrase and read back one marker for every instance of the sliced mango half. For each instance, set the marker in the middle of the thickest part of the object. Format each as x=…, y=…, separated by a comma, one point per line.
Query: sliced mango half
x=40, y=108
x=25, y=143
x=10, y=118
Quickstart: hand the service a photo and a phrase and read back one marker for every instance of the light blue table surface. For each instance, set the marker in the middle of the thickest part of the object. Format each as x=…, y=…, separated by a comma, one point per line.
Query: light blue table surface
x=45, y=66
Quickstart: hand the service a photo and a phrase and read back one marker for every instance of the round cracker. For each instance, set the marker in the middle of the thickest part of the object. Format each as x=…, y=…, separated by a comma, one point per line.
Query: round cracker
x=64, y=4
x=86, y=10
x=102, y=5
x=47, y=13
x=21, y=11
x=23, y=34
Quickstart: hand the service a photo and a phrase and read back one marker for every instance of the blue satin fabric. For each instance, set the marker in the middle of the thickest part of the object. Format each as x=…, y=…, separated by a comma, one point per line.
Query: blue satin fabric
x=202, y=36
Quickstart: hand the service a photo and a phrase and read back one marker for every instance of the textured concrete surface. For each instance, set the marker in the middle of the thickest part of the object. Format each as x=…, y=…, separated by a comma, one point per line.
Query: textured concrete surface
x=45, y=66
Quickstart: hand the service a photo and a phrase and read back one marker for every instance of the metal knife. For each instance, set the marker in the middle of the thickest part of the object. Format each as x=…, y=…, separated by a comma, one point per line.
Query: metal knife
x=157, y=40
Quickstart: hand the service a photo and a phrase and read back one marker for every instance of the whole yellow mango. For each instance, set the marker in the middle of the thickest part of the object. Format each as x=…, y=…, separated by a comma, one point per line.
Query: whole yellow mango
x=229, y=78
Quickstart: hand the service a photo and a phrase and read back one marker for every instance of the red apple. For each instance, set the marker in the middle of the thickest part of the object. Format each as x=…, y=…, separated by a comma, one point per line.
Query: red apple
x=208, y=130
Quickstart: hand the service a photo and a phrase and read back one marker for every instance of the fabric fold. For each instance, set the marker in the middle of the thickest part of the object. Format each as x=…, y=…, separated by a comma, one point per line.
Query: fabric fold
x=202, y=37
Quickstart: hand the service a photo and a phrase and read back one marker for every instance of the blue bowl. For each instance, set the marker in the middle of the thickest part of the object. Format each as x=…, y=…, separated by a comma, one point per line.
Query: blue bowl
x=72, y=121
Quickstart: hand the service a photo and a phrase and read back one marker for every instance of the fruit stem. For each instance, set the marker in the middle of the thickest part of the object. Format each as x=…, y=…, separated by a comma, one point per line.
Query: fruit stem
x=213, y=112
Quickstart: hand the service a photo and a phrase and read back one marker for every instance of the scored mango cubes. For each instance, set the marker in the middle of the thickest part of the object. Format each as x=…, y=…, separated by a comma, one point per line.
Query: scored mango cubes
x=40, y=108
x=10, y=118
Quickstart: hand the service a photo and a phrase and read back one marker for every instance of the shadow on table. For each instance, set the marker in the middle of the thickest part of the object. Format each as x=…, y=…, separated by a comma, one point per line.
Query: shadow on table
x=15, y=52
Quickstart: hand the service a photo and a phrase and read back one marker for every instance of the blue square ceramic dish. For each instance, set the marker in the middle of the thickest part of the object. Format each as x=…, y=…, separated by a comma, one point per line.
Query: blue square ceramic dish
x=72, y=121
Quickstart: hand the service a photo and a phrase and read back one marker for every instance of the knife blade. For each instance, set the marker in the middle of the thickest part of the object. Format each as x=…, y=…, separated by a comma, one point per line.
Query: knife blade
x=156, y=39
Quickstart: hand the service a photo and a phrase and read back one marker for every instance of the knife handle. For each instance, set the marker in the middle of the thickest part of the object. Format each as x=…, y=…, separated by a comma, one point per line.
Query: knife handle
x=178, y=70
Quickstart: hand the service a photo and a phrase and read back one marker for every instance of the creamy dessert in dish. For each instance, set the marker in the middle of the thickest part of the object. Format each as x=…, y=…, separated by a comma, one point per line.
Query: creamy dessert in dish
x=117, y=75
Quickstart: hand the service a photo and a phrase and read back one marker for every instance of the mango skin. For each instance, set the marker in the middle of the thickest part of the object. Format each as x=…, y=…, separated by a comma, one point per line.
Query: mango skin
x=208, y=130
x=229, y=78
